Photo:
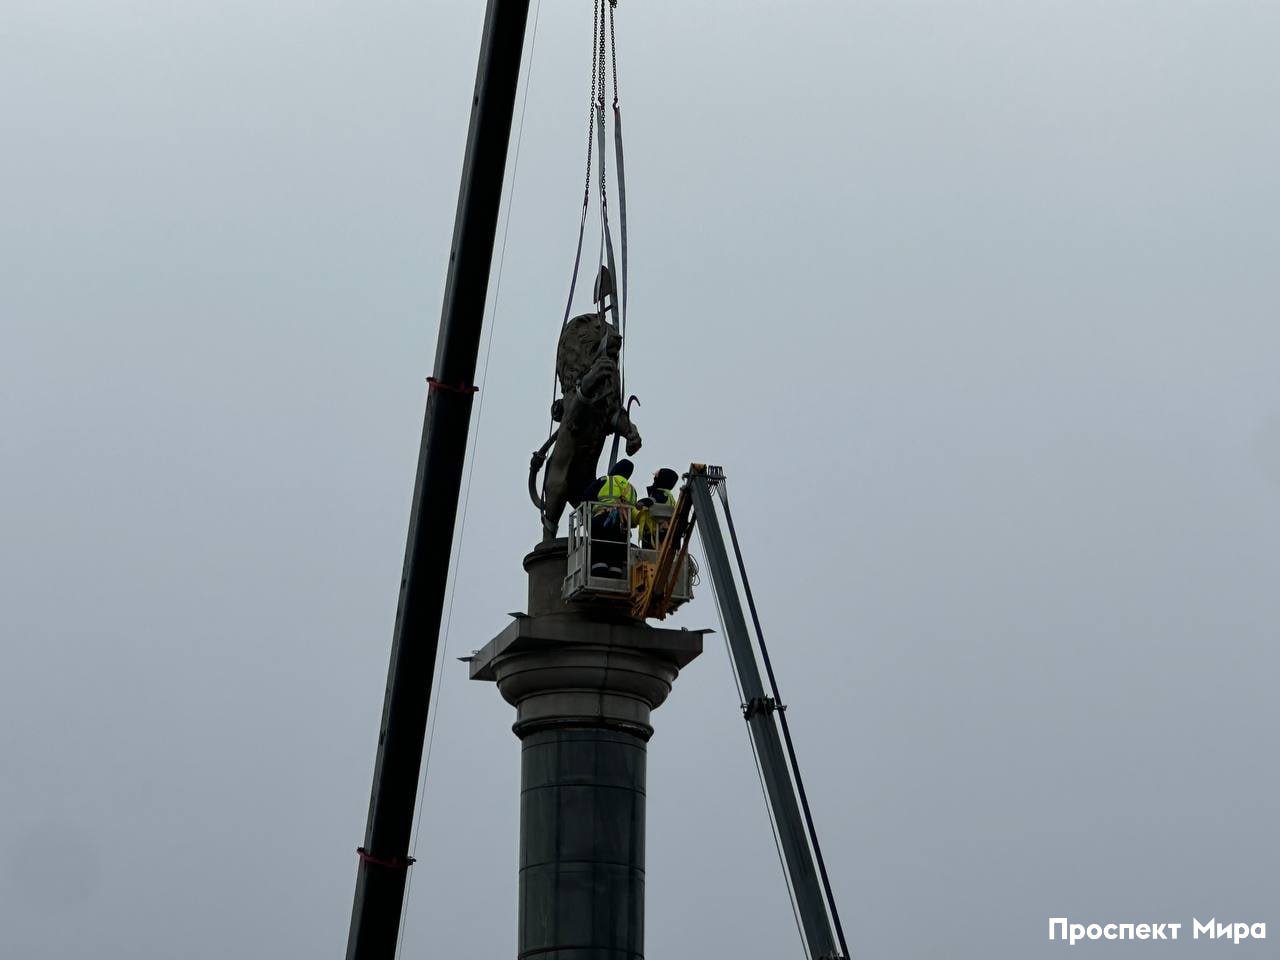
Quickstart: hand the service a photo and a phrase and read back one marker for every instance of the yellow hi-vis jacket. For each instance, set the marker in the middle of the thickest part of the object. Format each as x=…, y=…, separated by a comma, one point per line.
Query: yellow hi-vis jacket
x=648, y=524
x=615, y=489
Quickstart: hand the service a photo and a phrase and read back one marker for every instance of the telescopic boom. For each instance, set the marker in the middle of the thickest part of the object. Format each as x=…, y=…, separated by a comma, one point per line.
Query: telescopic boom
x=384, y=857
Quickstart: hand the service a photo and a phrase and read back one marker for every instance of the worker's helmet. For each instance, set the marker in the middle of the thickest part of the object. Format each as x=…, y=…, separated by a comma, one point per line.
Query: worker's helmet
x=666, y=478
x=624, y=469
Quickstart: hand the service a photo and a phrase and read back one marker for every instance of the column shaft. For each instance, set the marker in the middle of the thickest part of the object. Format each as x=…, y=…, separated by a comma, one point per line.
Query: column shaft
x=582, y=815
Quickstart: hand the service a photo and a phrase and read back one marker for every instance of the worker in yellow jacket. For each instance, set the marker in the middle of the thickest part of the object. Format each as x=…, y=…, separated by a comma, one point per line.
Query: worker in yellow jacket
x=613, y=502
x=661, y=491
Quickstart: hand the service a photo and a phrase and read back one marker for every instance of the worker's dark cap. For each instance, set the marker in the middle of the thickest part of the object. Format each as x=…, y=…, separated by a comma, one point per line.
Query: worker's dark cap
x=666, y=478
x=623, y=468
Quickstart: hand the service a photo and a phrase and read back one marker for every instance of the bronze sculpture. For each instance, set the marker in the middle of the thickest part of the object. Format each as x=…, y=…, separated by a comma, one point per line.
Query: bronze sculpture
x=589, y=411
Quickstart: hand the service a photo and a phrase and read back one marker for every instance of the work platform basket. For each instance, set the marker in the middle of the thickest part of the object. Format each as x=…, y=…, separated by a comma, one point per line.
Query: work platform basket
x=613, y=546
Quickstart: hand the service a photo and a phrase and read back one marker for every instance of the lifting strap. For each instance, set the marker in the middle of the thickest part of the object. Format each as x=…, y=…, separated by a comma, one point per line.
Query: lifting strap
x=586, y=186
x=621, y=298
x=577, y=259
x=605, y=233
x=622, y=223
x=602, y=33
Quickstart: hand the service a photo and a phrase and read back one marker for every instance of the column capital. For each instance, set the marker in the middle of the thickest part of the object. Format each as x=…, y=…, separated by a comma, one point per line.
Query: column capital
x=562, y=670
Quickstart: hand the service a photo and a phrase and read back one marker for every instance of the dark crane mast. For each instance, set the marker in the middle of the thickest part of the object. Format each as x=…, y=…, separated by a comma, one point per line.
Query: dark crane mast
x=384, y=856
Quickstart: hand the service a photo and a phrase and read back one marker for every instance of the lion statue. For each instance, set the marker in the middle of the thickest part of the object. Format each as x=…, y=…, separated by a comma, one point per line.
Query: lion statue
x=589, y=412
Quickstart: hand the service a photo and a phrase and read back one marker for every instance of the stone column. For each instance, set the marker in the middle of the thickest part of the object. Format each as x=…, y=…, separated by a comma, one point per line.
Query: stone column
x=584, y=682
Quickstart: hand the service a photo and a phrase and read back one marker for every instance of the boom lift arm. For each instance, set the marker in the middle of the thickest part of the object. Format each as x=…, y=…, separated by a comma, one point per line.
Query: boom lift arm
x=654, y=585
x=763, y=711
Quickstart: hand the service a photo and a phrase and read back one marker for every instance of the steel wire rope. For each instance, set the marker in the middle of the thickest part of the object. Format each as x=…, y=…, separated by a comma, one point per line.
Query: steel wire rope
x=606, y=235
x=723, y=491
x=602, y=33
x=466, y=501
x=586, y=203
x=602, y=71
x=620, y=292
x=755, y=759
x=586, y=186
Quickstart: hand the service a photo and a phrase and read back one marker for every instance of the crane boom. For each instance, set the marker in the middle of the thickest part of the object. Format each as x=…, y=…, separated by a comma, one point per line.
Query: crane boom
x=384, y=856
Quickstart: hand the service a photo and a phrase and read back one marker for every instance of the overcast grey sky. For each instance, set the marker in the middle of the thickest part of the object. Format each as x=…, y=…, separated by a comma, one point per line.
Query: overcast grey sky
x=976, y=302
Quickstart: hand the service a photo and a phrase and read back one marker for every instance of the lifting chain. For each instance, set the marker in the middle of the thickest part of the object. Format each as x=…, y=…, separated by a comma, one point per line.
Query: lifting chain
x=613, y=52
x=599, y=104
x=604, y=54
x=591, y=103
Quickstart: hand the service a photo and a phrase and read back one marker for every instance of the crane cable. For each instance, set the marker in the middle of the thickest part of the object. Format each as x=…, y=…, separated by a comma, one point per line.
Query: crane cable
x=604, y=65
x=604, y=41
x=606, y=234
x=582, y=229
x=538, y=494
x=586, y=186
x=622, y=184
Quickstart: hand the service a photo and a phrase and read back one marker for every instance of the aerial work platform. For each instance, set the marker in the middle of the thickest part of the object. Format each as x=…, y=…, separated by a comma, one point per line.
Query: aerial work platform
x=639, y=566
